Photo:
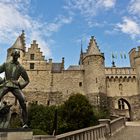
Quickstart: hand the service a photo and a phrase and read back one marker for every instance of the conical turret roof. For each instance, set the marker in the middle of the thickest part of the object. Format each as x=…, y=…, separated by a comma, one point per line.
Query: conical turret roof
x=93, y=48
x=19, y=43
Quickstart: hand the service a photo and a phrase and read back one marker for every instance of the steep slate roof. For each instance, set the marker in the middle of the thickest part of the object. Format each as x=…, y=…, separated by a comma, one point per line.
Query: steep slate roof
x=74, y=67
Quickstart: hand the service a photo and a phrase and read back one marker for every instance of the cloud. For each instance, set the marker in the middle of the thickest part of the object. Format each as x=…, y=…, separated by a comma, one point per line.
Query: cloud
x=129, y=26
x=106, y=3
x=94, y=23
x=89, y=8
x=56, y=24
x=134, y=7
x=14, y=15
x=11, y=20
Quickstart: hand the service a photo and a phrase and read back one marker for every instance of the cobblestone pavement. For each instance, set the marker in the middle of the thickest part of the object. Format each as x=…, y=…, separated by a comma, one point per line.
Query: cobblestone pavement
x=130, y=132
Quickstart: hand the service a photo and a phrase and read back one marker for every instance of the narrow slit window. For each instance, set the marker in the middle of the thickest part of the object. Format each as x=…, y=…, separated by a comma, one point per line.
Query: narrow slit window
x=80, y=84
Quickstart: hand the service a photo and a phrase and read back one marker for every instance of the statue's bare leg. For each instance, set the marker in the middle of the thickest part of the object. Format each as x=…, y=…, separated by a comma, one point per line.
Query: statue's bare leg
x=20, y=97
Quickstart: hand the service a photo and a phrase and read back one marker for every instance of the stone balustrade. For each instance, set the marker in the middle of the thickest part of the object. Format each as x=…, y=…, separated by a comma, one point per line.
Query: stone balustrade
x=113, y=126
x=102, y=131
x=91, y=133
x=116, y=125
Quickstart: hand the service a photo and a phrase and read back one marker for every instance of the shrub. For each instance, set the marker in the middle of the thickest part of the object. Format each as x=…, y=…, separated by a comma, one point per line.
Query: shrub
x=41, y=117
x=38, y=132
x=76, y=113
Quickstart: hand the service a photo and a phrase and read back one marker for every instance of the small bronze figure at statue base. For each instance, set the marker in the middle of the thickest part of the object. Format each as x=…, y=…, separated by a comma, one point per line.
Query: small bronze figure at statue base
x=5, y=114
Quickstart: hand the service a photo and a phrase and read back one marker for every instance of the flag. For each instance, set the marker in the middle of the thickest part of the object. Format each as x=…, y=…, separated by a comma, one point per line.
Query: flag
x=113, y=56
x=116, y=55
x=121, y=55
x=124, y=56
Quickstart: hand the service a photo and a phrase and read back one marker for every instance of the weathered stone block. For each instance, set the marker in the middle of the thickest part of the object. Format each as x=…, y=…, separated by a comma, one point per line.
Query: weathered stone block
x=16, y=134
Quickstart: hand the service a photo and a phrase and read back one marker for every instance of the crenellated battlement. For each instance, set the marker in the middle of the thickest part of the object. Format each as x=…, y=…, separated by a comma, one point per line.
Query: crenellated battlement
x=120, y=74
x=119, y=78
x=120, y=71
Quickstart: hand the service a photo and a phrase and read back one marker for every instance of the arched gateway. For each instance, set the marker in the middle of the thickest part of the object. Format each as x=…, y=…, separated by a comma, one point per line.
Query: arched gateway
x=124, y=108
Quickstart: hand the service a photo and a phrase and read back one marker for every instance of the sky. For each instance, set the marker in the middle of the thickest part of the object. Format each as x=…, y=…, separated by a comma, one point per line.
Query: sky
x=62, y=26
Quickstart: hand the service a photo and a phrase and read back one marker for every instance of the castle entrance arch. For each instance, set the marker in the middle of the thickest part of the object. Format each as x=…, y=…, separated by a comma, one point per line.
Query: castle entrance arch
x=124, y=108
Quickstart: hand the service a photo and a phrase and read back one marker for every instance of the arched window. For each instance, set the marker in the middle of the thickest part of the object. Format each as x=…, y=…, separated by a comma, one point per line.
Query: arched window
x=121, y=104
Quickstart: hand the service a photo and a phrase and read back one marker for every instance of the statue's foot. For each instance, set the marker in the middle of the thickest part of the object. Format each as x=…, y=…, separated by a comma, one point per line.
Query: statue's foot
x=25, y=126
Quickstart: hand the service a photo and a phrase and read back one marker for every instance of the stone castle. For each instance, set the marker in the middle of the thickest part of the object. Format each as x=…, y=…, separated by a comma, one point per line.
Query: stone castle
x=118, y=88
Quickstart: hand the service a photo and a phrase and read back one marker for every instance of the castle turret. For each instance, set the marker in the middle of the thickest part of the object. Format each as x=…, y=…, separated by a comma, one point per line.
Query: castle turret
x=94, y=76
x=20, y=45
x=132, y=55
x=135, y=63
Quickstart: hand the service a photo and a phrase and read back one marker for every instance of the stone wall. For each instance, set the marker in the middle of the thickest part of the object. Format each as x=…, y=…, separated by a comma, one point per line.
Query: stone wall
x=45, y=83
x=121, y=86
x=133, y=106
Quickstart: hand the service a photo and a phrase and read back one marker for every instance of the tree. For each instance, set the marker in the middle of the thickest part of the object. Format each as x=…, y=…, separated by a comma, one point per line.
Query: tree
x=76, y=113
x=41, y=117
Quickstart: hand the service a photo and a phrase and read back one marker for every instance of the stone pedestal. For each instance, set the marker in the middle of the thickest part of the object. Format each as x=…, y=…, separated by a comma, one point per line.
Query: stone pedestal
x=16, y=134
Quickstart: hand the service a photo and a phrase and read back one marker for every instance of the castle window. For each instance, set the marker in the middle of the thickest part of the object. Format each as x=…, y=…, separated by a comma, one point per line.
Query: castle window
x=120, y=87
x=96, y=80
x=80, y=84
x=32, y=56
x=32, y=65
x=121, y=105
x=48, y=102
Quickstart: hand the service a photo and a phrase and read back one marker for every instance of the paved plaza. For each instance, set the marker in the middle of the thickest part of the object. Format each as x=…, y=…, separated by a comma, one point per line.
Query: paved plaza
x=130, y=132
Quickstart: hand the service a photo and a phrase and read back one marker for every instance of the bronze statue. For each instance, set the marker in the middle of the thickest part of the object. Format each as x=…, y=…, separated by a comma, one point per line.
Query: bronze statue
x=5, y=114
x=13, y=71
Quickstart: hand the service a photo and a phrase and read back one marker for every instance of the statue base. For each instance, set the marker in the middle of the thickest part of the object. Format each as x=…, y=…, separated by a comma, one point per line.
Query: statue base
x=16, y=134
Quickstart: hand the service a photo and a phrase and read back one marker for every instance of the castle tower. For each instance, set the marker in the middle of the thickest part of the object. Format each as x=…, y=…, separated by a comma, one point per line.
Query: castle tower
x=135, y=63
x=20, y=45
x=134, y=56
x=94, y=75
